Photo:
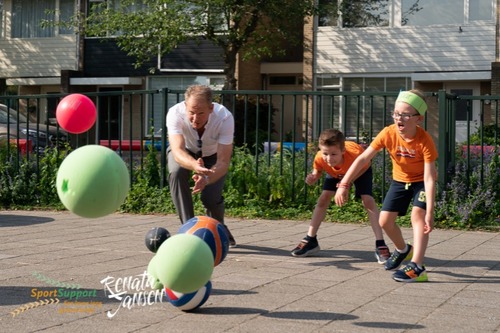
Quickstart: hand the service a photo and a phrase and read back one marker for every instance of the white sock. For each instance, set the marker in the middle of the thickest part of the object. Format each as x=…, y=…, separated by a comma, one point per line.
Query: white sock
x=403, y=250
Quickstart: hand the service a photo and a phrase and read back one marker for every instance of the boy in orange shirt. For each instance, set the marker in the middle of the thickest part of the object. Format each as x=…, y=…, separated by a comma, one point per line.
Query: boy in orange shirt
x=413, y=155
x=334, y=157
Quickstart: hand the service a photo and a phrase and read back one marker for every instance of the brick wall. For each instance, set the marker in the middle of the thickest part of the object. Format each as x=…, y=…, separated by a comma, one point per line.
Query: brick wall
x=495, y=78
x=248, y=75
x=308, y=62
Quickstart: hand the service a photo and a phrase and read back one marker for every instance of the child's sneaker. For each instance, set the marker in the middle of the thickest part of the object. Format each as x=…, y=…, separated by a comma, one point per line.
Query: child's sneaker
x=382, y=253
x=397, y=258
x=411, y=273
x=306, y=248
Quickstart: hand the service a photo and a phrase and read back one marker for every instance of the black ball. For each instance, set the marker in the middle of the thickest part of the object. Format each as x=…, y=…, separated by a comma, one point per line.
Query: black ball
x=155, y=237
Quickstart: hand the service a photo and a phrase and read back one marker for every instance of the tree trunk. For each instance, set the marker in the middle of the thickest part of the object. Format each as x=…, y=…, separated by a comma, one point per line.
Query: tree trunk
x=230, y=58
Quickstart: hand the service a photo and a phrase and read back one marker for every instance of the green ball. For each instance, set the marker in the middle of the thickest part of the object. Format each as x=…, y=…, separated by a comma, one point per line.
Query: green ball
x=153, y=280
x=184, y=263
x=92, y=181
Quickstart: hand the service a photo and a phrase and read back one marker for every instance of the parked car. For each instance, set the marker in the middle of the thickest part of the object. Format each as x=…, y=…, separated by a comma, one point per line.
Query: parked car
x=14, y=124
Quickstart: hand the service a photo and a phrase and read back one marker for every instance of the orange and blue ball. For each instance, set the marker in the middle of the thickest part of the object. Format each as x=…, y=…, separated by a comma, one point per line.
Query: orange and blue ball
x=212, y=232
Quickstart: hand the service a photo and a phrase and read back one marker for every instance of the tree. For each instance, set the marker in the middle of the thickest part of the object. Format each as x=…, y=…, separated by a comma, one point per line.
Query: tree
x=250, y=28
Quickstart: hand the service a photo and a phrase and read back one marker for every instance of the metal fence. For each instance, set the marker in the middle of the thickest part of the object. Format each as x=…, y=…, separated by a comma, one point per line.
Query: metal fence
x=131, y=122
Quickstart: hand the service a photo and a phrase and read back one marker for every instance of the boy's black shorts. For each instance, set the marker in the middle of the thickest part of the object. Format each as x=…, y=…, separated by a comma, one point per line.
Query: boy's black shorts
x=400, y=195
x=363, y=184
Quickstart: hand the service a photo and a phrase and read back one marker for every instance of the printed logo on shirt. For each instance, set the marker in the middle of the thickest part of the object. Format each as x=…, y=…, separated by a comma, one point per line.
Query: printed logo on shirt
x=405, y=152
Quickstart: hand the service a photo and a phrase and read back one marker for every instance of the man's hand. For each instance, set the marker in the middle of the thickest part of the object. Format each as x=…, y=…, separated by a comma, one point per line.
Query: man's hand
x=200, y=182
x=199, y=168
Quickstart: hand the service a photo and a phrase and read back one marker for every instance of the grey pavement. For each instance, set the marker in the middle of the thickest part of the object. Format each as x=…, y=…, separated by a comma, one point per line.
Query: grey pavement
x=259, y=287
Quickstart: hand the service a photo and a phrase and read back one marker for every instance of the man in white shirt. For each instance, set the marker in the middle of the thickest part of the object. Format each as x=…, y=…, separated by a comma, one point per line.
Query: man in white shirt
x=200, y=135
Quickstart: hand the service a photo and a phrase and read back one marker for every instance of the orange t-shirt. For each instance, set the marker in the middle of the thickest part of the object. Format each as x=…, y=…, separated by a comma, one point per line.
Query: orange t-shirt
x=352, y=150
x=408, y=158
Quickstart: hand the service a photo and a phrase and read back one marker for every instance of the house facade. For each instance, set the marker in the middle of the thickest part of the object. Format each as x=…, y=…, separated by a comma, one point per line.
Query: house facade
x=55, y=60
x=396, y=44
x=32, y=57
x=402, y=44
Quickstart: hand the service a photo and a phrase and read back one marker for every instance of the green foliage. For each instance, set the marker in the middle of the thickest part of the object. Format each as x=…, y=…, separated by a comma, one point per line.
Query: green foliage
x=17, y=178
x=491, y=136
x=252, y=122
x=46, y=186
x=272, y=180
x=472, y=198
x=23, y=185
x=145, y=195
x=269, y=186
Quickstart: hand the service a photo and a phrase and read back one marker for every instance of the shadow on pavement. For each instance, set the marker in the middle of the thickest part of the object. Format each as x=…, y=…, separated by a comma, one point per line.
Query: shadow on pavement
x=309, y=315
x=249, y=249
x=7, y=220
x=388, y=325
x=298, y=315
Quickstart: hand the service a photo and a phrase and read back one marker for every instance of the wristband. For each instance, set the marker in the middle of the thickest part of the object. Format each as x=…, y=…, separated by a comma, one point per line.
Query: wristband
x=343, y=185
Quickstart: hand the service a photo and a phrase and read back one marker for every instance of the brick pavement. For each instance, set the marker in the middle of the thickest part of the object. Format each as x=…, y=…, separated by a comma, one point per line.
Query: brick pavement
x=258, y=288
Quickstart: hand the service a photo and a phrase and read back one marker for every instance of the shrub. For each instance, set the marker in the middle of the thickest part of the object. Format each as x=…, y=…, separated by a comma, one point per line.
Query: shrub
x=253, y=122
x=267, y=186
x=491, y=136
x=472, y=198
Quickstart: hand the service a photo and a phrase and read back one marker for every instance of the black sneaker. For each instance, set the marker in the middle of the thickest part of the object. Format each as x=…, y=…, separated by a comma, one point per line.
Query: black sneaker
x=411, y=273
x=397, y=258
x=232, y=242
x=382, y=254
x=306, y=248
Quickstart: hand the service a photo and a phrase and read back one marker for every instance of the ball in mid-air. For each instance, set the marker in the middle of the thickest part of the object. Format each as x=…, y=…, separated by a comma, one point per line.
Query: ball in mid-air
x=153, y=280
x=92, y=181
x=183, y=263
x=76, y=113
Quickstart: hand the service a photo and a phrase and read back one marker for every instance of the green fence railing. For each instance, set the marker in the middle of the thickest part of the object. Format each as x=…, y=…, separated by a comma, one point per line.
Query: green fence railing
x=266, y=122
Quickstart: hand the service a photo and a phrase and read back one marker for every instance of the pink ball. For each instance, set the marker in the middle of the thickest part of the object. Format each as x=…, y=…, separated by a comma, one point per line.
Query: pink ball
x=76, y=113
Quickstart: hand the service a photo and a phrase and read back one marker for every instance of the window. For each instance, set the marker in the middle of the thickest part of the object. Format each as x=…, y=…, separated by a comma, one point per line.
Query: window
x=279, y=80
x=365, y=112
x=429, y=12
x=66, y=12
x=354, y=13
x=461, y=113
x=27, y=17
x=372, y=13
x=481, y=10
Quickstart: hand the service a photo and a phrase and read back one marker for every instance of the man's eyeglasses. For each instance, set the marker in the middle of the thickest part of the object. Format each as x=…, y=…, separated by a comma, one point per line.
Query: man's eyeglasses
x=199, y=154
x=403, y=116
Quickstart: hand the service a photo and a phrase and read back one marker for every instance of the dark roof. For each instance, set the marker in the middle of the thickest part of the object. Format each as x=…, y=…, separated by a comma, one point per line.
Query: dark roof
x=103, y=58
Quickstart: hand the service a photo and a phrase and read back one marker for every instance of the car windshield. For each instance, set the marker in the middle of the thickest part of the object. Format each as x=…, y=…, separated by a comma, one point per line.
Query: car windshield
x=12, y=115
